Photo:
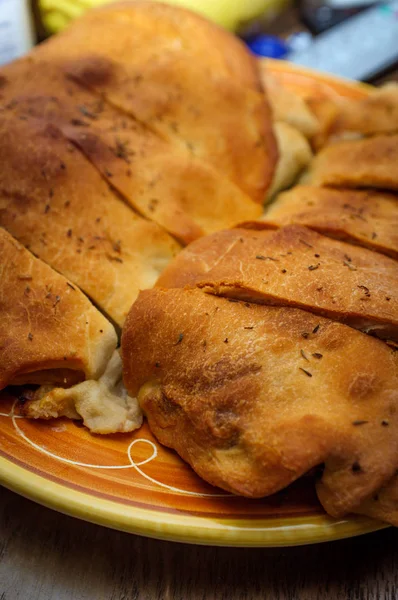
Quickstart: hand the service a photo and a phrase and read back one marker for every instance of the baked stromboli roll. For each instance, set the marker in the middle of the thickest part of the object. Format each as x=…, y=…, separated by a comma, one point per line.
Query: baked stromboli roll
x=53, y=337
x=186, y=196
x=376, y=114
x=50, y=332
x=255, y=396
x=384, y=504
x=363, y=163
x=57, y=204
x=140, y=58
x=294, y=266
x=286, y=106
x=366, y=218
x=182, y=193
x=167, y=27
x=341, y=118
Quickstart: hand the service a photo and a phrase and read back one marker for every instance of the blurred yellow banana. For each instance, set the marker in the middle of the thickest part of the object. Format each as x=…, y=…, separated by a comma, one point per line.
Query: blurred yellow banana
x=56, y=14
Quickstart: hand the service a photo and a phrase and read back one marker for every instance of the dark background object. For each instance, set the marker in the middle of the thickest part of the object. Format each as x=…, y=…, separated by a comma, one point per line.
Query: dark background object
x=318, y=16
x=291, y=21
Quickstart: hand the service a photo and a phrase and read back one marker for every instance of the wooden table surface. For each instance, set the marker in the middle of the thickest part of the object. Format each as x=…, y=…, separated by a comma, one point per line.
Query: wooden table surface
x=48, y=556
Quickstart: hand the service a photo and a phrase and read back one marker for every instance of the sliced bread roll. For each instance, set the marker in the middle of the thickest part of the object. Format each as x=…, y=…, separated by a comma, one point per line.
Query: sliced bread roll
x=376, y=114
x=383, y=505
x=198, y=88
x=367, y=218
x=253, y=405
x=58, y=205
x=294, y=266
x=182, y=193
x=286, y=106
x=363, y=163
x=50, y=333
x=51, y=336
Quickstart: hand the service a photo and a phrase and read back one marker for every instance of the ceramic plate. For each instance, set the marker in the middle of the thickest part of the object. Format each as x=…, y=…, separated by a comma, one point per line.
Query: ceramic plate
x=132, y=483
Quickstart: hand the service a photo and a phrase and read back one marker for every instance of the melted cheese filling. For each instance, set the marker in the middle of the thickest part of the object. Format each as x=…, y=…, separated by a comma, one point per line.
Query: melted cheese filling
x=103, y=405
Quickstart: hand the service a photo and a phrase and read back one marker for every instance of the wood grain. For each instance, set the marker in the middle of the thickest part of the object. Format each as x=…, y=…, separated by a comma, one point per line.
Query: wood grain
x=48, y=556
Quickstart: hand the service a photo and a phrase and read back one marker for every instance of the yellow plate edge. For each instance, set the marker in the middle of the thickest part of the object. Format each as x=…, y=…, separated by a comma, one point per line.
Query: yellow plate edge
x=183, y=528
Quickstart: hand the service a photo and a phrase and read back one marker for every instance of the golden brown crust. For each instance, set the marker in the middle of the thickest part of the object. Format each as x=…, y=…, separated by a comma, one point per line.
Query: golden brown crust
x=326, y=111
x=180, y=192
x=286, y=106
x=189, y=96
x=49, y=331
x=185, y=196
x=368, y=218
x=174, y=28
x=362, y=163
x=376, y=113
x=294, y=266
x=56, y=203
x=343, y=118
x=252, y=405
x=384, y=504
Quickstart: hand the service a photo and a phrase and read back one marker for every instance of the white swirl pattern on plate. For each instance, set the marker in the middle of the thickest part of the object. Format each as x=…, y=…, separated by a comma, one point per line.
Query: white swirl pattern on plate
x=132, y=464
